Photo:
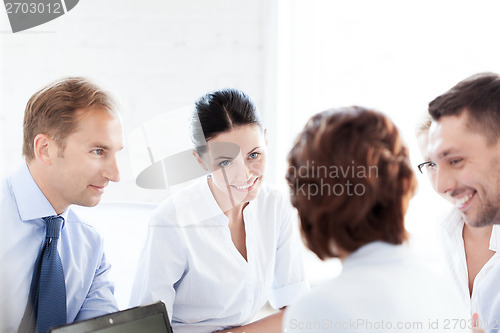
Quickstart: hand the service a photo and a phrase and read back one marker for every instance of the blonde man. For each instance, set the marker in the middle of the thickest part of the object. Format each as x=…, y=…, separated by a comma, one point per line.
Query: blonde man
x=54, y=270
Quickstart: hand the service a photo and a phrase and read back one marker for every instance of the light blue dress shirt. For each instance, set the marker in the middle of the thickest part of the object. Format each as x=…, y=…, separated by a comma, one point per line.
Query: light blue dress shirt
x=88, y=289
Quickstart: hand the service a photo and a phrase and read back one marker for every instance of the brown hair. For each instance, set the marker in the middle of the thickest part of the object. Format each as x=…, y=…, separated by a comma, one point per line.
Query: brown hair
x=53, y=110
x=477, y=95
x=353, y=146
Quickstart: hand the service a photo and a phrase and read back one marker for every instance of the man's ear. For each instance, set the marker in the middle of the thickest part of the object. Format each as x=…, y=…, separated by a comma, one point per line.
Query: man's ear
x=199, y=160
x=43, y=147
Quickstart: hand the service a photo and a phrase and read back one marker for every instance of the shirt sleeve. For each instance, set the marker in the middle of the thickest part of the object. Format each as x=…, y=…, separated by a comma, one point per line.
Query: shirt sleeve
x=100, y=298
x=162, y=263
x=289, y=276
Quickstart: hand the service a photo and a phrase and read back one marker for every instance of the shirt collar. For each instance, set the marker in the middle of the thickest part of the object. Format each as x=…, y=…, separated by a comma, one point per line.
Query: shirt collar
x=495, y=238
x=31, y=203
x=375, y=251
x=453, y=225
x=212, y=207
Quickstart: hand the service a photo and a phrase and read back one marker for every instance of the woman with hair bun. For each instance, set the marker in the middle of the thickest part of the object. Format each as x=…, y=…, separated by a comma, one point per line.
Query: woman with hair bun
x=352, y=192
x=219, y=249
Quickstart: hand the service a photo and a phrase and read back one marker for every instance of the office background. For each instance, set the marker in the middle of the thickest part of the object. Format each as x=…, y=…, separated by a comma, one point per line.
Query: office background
x=293, y=57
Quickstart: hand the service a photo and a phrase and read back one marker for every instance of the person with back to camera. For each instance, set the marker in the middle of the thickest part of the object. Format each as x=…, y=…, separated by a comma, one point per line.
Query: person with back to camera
x=217, y=250
x=351, y=202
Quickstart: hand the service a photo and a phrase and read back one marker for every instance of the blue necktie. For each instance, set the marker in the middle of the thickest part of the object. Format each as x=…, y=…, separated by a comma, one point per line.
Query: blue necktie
x=47, y=298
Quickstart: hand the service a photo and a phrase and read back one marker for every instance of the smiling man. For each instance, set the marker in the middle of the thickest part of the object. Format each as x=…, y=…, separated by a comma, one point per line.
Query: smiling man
x=464, y=146
x=53, y=269
x=469, y=250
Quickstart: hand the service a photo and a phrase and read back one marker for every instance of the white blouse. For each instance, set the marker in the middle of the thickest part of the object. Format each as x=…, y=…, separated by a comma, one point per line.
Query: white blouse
x=452, y=227
x=382, y=288
x=191, y=264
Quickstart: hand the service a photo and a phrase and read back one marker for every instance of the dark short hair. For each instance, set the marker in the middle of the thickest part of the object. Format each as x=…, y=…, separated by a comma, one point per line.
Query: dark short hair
x=220, y=111
x=350, y=139
x=478, y=96
x=53, y=110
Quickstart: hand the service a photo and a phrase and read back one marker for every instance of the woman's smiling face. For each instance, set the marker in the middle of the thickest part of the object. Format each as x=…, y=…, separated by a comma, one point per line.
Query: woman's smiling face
x=237, y=161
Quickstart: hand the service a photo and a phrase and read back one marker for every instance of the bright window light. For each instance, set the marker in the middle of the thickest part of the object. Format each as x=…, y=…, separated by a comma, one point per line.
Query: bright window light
x=393, y=56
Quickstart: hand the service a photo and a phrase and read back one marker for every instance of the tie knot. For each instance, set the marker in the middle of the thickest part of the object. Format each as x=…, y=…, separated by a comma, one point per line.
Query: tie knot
x=54, y=224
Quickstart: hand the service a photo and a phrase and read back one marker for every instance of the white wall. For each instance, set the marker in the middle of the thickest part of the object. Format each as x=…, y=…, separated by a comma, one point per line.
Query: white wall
x=155, y=56
x=391, y=55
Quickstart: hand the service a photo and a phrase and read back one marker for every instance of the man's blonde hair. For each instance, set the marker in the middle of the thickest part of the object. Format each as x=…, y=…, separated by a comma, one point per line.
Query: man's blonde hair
x=53, y=110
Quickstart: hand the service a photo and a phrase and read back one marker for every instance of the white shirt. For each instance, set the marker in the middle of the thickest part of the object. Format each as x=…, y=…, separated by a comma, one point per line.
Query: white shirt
x=382, y=288
x=191, y=264
x=488, y=301
x=453, y=244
